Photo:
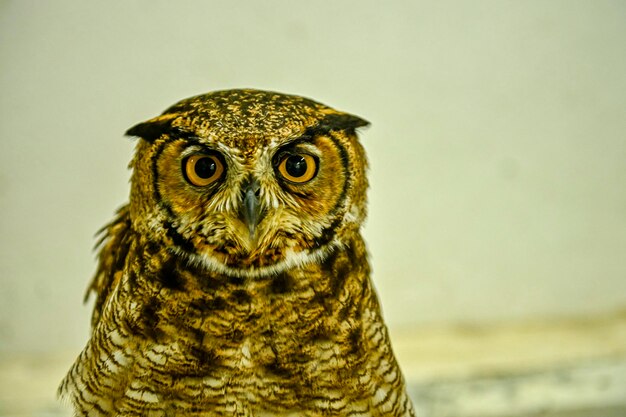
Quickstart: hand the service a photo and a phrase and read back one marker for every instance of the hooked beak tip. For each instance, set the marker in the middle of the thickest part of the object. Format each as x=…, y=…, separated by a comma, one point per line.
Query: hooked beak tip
x=251, y=210
x=251, y=232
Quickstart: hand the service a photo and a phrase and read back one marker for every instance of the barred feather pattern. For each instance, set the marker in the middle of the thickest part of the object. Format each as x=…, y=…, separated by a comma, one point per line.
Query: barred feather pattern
x=310, y=342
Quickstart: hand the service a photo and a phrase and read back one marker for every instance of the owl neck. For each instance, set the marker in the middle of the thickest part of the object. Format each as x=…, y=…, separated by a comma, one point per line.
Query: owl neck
x=307, y=302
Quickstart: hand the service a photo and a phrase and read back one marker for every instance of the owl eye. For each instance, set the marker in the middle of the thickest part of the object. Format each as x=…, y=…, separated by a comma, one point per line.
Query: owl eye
x=202, y=170
x=298, y=168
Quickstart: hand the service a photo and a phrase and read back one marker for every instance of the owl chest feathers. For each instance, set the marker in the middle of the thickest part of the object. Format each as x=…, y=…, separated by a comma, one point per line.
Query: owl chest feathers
x=309, y=338
x=278, y=324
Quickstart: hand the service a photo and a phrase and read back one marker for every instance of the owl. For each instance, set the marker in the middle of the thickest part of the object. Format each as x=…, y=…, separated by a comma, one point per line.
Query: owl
x=235, y=282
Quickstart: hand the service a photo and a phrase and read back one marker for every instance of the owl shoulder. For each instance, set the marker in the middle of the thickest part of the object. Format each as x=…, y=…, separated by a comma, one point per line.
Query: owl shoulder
x=113, y=247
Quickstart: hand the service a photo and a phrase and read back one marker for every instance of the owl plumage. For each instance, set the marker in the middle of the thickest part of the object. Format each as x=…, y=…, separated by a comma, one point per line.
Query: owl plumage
x=236, y=280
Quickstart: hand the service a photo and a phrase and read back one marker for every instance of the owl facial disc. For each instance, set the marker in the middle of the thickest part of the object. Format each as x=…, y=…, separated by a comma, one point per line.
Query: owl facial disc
x=248, y=182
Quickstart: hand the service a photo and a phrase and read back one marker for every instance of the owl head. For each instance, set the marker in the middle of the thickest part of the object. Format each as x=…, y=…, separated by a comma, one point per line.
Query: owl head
x=249, y=183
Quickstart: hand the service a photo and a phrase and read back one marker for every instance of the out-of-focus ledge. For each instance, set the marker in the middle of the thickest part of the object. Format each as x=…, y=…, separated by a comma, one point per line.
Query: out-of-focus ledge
x=552, y=368
x=587, y=389
x=471, y=351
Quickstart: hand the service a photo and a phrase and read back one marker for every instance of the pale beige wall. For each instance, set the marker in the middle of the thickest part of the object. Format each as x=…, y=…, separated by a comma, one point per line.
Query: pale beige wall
x=498, y=144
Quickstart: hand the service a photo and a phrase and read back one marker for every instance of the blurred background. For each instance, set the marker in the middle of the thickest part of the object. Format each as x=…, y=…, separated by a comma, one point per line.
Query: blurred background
x=497, y=225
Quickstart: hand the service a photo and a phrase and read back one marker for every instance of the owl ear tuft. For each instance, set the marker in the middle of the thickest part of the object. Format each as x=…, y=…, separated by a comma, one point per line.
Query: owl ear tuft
x=339, y=121
x=152, y=129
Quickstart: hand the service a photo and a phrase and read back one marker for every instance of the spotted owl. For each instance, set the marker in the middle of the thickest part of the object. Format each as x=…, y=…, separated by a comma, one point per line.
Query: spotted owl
x=235, y=282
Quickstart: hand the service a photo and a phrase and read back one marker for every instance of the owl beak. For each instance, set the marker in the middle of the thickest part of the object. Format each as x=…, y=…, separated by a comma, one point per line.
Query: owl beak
x=251, y=209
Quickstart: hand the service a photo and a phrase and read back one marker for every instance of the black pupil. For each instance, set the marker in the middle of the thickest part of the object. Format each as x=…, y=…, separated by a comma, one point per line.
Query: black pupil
x=205, y=167
x=296, y=166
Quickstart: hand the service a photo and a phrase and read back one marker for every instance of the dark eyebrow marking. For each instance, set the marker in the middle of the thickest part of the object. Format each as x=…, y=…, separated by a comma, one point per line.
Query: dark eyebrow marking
x=329, y=123
x=333, y=122
x=153, y=129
